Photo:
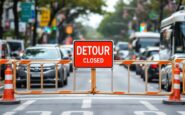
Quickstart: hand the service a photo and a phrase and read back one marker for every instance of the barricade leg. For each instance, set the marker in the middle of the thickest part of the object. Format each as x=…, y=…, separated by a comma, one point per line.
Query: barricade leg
x=175, y=97
x=8, y=95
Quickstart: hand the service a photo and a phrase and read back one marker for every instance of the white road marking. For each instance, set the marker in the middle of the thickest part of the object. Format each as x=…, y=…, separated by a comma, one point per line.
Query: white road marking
x=149, y=106
x=9, y=113
x=24, y=105
x=86, y=103
x=72, y=112
x=97, y=98
x=149, y=112
x=41, y=112
x=181, y=112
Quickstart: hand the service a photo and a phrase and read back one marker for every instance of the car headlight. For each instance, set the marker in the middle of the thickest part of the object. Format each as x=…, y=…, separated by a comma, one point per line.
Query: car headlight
x=22, y=67
x=49, y=67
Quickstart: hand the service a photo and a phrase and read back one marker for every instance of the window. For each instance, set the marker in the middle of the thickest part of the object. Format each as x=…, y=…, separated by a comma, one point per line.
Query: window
x=179, y=37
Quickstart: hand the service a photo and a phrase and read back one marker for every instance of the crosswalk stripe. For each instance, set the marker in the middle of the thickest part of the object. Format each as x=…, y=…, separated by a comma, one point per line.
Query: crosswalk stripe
x=149, y=106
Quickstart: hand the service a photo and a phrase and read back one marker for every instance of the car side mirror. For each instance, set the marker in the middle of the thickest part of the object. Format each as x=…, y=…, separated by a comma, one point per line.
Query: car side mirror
x=65, y=58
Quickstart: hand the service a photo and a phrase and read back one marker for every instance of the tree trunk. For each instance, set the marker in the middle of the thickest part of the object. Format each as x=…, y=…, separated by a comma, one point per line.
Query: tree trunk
x=34, y=42
x=1, y=13
x=16, y=19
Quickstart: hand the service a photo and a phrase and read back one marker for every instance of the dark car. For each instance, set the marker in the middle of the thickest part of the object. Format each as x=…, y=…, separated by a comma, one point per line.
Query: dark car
x=144, y=56
x=152, y=69
x=49, y=69
x=132, y=56
x=4, y=54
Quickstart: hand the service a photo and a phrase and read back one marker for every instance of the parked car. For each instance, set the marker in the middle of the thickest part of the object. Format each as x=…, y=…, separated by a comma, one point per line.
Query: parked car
x=132, y=56
x=152, y=69
x=139, y=41
x=166, y=74
x=69, y=48
x=42, y=52
x=66, y=56
x=148, y=52
x=16, y=47
x=122, y=48
x=4, y=54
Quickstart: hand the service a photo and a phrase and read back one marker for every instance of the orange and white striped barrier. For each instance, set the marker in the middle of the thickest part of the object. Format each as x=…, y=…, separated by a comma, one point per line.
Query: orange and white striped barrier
x=175, y=97
x=8, y=94
x=182, y=61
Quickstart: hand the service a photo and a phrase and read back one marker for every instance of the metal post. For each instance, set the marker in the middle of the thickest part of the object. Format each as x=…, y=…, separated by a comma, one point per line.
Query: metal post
x=28, y=77
x=183, y=82
x=146, y=78
x=56, y=76
x=74, y=79
x=112, y=80
x=128, y=78
x=160, y=80
x=93, y=80
x=42, y=77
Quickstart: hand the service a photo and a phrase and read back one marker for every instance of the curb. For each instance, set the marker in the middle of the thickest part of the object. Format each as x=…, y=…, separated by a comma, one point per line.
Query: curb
x=168, y=102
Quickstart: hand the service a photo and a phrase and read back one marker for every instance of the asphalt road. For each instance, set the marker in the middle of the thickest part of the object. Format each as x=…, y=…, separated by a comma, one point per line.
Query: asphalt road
x=87, y=104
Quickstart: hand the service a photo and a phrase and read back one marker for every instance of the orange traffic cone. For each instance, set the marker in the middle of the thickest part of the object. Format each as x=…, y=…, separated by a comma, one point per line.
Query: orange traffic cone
x=8, y=95
x=175, y=97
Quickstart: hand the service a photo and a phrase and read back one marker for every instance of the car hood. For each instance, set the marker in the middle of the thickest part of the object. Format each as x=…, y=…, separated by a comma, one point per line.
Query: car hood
x=178, y=56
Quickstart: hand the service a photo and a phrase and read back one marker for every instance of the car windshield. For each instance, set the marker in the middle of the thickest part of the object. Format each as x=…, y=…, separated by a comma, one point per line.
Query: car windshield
x=123, y=46
x=145, y=42
x=15, y=46
x=180, y=37
x=41, y=53
x=65, y=52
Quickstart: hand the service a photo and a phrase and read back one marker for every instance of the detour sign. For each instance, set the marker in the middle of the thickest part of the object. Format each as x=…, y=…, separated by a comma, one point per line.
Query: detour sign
x=93, y=54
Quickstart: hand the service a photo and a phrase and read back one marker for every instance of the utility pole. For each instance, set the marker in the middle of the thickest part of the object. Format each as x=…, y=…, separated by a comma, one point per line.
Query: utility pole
x=162, y=4
x=34, y=40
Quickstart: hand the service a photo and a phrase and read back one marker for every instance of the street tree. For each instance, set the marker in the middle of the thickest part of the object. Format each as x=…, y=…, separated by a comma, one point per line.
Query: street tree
x=1, y=13
x=71, y=9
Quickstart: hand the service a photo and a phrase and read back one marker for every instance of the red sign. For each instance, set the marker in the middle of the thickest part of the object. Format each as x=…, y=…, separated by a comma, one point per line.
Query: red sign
x=93, y=54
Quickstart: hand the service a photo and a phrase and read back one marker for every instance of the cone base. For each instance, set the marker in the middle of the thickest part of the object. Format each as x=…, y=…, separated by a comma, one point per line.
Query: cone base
x=10, y=102
x=169, y=102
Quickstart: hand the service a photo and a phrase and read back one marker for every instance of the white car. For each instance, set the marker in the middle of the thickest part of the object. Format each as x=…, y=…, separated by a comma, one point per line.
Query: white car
x=166, y=74
x=122, y=48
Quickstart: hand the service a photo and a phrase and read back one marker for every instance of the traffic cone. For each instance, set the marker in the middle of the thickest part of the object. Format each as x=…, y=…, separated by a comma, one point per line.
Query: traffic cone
x=175, y=97
x=8, y=94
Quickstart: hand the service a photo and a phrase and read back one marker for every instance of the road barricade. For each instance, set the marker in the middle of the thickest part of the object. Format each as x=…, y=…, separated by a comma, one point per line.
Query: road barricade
x=181, y=61
x=93, y=89
x=28, y=64
x=8, y=93
x=129, y=63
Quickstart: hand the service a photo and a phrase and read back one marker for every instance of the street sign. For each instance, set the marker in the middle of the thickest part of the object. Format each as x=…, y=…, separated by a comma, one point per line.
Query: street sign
x=93, y=54
x=26, y=11
x=45, y=17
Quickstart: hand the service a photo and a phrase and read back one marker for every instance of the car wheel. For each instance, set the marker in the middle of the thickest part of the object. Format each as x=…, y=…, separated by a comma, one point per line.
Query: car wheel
x=66, y=81
x=60, y=83
x=60, y=80
x=167, y=85
x=71, y=67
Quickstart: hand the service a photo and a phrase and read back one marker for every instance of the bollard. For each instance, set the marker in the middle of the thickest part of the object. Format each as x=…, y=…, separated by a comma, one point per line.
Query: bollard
x=175, y=97
x=8, y=94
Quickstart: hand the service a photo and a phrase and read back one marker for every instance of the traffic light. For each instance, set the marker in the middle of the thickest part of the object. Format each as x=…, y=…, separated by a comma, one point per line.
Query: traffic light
x=54, y=28
x=143, y=27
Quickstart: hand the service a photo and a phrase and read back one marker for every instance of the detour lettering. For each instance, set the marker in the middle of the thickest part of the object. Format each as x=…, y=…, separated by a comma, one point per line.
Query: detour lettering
x=93, y=54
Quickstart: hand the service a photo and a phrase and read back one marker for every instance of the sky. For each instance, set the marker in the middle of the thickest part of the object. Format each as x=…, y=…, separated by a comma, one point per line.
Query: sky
x=94, y=20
